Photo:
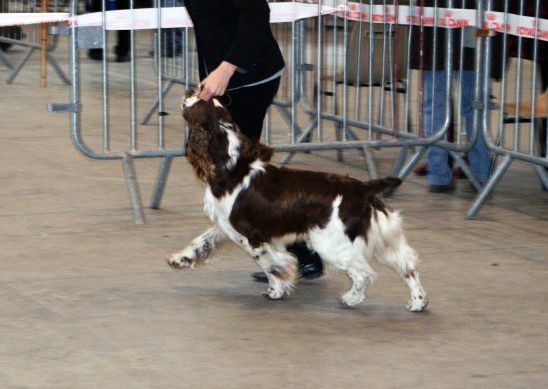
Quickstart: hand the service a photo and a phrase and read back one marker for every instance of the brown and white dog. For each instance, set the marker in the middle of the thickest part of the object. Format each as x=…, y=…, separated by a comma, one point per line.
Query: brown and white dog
x=262, y=208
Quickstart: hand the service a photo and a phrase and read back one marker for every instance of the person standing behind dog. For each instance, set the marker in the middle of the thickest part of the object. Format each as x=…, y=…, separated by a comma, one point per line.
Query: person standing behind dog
x=240, y=63
x=429, y=56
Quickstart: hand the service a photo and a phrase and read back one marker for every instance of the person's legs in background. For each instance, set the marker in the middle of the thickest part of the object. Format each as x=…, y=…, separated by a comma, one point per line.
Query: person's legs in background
x=121, y=50
x=439, y=173
x=248, y=107
x=172, y=38
x=479, y=156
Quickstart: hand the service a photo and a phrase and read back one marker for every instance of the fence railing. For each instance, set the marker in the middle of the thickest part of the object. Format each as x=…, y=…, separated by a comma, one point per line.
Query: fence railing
x=354, y=79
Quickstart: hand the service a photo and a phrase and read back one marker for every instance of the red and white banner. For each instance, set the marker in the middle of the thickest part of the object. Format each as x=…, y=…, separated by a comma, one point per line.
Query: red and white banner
x=19, y=19
x=176, y=17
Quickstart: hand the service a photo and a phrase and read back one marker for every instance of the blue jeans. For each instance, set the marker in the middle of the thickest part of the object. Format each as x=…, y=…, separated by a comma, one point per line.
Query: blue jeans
x=439, y=172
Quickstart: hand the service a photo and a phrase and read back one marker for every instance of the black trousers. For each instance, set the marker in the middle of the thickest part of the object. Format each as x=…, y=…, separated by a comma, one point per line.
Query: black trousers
x=248, y=106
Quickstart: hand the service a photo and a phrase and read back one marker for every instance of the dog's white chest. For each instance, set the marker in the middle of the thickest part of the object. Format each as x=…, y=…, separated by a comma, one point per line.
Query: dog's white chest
x=217, y=209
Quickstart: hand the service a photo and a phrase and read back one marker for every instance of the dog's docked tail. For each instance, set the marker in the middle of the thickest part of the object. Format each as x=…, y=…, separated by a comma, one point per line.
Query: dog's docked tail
x=383, y=184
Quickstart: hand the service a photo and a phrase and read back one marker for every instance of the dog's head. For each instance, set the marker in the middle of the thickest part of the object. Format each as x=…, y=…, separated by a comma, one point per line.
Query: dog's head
x=215, y=142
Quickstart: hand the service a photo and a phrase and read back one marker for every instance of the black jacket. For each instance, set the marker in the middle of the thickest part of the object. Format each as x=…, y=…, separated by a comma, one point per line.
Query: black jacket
x=236, y=31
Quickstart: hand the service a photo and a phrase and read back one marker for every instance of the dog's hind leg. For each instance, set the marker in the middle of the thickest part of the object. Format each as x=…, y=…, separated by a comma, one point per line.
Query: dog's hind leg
x=361, y=275
x=279, y=266
x=197, y=251
x=418, y=297
x=392, y=249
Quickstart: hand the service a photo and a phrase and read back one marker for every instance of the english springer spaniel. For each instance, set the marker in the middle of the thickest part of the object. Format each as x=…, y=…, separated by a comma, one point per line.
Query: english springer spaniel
x=262, y=208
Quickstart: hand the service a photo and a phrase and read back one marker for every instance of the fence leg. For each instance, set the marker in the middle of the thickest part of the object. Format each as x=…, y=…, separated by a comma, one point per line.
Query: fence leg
x=493, y=180
x=133, y=189
x=370, y=161
x=398, y=163
x=161, y=180
x=411, y=162
x=53, y=62
x=466, y=169
x=5, y=59
x=542, y=175
x=302, y=138
x=156, y=102
x=20, y=66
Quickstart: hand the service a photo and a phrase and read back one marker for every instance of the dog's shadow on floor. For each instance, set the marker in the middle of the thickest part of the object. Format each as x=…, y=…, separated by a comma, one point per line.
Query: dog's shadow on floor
x=312, y=303
x=319, y=297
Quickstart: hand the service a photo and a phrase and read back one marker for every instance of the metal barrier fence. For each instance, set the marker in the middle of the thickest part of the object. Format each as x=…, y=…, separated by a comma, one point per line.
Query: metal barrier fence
x=353, y=80
x=178, y=66
x=517, y=131
x=30, y=36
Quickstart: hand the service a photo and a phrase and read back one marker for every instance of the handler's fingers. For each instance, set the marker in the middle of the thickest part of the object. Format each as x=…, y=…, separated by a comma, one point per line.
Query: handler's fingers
x=205, y=92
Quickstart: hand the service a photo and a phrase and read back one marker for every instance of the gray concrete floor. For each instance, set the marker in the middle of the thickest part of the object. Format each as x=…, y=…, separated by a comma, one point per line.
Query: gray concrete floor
x=87, y=301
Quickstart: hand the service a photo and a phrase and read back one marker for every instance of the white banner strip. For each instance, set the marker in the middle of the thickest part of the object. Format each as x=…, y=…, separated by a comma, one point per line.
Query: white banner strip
x=19, y=19
x=173, y=17
x=177, y=17
x=524, y=26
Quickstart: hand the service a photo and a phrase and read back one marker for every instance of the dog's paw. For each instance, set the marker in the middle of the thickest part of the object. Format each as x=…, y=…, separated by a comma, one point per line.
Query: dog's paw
x=273, y=294
x=177, y=262
x=350, y=299
x=417, y=304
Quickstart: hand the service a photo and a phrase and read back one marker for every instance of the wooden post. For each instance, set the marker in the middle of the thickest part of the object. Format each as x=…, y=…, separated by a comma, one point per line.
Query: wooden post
x=43, y=48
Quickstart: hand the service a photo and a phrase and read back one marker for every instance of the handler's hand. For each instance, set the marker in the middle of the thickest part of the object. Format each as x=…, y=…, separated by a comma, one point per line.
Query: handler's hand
x=215, y=83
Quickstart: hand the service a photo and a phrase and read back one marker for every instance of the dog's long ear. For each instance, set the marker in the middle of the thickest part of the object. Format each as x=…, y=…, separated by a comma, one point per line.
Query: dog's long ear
x=253, y=149
x=218, y=141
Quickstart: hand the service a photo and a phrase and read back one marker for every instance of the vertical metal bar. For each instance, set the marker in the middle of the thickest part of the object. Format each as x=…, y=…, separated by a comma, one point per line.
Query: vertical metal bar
x=320, y=65
x=533, y=90
x=481, y=84
x=132, y=84
x=297, y=37
x=159, y=80
x=345, y=78
x=370, y=71
x=503, y=82
x=517, y=98
x=104, y=78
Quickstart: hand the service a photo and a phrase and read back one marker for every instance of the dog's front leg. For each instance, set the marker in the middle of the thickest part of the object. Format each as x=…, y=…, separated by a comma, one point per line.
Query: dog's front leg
x=197, y=251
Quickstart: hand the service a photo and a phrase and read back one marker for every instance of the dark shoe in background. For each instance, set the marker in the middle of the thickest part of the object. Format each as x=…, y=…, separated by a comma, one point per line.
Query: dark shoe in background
x=440, y=188
x=95, y=54
x=122, y=58
x=307, y=271
x=310, y=263
x=422, y=170
x=459, y=174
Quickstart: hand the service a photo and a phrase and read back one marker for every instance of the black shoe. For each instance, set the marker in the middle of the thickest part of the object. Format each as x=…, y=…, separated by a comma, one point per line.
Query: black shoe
x=170, y=52
x=122, y=58
x=458, y=174
x=421, y=170
x=95, y=54
x=307, y=271
x=440, y=188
